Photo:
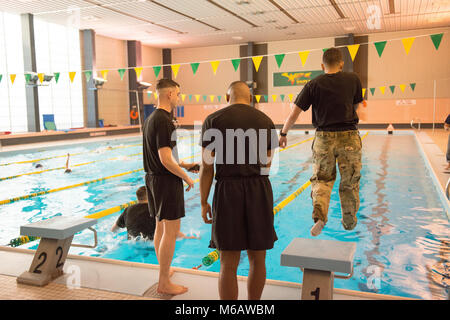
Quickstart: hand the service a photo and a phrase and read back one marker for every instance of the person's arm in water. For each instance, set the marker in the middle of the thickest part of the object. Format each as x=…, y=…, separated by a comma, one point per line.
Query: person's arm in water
x=293, y=116
x=168, y=161
x=206, y=179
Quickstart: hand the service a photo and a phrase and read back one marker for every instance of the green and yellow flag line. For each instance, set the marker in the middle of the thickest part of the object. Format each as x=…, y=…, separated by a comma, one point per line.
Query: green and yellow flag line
x=282, y=204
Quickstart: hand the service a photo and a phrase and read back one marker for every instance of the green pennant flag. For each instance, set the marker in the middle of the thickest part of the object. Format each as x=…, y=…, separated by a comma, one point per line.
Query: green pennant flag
x=157, y=70
x=437, y=38
x=282, y=97
x=413, y=86
x=190, y=97
x=266, y=97
x=325, y=49
x=121, y=73
x=27, y=77
x=372, y=90
x=236, y=63
x=279, y=58
x=204, y=98
x=380, y=47
x=56, y=76
x=194, y=67
x=88, y=75
x=1, y=76
x=219, y=97
x=392, y=89
x=149, y=94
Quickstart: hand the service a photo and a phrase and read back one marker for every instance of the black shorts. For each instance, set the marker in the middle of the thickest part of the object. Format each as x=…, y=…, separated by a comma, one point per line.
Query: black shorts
x=165, y=196
x=243, y=214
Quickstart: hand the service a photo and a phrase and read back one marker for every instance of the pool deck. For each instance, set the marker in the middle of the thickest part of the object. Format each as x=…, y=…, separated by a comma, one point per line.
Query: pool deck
x=121, y=280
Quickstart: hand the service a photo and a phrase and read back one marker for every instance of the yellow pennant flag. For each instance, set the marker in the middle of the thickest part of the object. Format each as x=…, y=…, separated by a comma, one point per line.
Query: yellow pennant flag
x=155, y=95
x=291, y=96
x=407, y=44
x=403, y=87
x=175, y=68
x=215, y=65
x=212, y=97
x=257, y=62
x=274, y=98
x=138, y=71
x=303, y=56
x=197, y=97
x=12, y=77
x=72, y=75
x=353, y=50
x=183, y=96
x=105, y=73
x=363, y=92
x=382, y=89
x=41, y=77
x=257, y=97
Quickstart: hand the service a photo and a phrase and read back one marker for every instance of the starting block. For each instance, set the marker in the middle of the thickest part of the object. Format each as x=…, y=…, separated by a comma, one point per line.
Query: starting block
x=319, y=260
x=56, y=238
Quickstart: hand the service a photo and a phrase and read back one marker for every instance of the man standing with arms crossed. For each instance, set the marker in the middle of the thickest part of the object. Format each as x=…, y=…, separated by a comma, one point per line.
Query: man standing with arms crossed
x=164, y=180
x=334, y=97
x=242, y=140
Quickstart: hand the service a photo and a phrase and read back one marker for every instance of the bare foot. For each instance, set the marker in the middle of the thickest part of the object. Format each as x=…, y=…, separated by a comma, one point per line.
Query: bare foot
x=171, y=288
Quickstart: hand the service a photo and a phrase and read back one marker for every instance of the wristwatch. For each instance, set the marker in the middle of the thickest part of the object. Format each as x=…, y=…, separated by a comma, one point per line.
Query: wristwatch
x=283, y=134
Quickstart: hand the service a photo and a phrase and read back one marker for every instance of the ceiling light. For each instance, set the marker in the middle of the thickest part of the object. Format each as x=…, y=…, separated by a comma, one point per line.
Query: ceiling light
x=349, y=28
x=239, y=3
x=237, y=38
x=90, y=18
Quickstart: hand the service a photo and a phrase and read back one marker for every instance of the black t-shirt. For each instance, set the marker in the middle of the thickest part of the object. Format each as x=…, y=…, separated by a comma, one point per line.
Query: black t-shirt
x=137, y=220
x=447, y=121
x=333, y=98
x=237, y=159
x=159, y=131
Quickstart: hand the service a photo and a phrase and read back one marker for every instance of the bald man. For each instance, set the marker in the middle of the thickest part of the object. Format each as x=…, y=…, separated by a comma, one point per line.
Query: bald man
x=240, y=139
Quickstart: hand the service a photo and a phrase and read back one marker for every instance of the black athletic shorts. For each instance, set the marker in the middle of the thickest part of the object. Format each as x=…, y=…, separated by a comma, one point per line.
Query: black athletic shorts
x=165, y=195
x=243, y=214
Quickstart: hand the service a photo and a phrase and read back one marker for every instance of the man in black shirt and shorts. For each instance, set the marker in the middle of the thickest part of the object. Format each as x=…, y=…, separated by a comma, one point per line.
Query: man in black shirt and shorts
x=334, y=97
x=164, y=180
x=241, y=139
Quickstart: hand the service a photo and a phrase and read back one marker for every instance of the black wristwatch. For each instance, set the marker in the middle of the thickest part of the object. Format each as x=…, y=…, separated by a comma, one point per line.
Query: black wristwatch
x=283, y=134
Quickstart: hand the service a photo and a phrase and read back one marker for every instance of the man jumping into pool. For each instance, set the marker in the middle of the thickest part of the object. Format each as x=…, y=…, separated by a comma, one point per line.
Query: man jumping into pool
x=335, y=97
x=164, y=180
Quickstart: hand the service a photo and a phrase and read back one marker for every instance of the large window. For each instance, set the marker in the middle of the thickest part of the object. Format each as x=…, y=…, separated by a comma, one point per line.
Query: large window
x=58, y=50
x=13, y=108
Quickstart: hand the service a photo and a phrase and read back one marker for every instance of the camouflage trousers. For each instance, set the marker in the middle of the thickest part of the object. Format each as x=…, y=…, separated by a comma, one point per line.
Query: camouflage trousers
x=345, y=148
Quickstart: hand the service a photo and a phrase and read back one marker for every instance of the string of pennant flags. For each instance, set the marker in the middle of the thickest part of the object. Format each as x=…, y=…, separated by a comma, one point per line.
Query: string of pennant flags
x=279, y=58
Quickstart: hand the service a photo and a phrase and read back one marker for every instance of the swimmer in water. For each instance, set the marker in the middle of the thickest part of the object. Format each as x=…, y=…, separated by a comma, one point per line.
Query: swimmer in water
x=38, y=165
x=67, y=165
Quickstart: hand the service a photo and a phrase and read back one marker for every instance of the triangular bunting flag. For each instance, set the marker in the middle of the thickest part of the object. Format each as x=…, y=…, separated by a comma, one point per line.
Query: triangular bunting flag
x=41, y=77
x=353, y=50
x=138, y=71
x=88, y=75
x=121, y=73
x=104, y=73
x=72, y=75
x=413, y=86
x=215, y=65
x=303, y=56
x=392, y=89
x=194, y=67
x=190, y=97
x=236, y=63
x=372, y=90
x=266, y=98
x=155, y=94
x=219, y=97
x=382, y=89
x=183, y=96
x=291, y=96
x=274, y=98
x=282, y=97
x=437, y=38
x=402, y=87
x=27, y=77
x=363, y=92
x=257, y=97
x=1, y=76
x=257, y=62
x=205, y=97
x=149, y=94
x=175, y=68
x=197, y=97
x=156, y=71
x=407, y=44
x=279, y=58
x=212, y=97
x=56, y=76
x=380, y=47
x=325, y=49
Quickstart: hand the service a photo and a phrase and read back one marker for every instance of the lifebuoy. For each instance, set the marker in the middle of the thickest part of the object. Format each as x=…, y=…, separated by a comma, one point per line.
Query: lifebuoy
x=134, y=115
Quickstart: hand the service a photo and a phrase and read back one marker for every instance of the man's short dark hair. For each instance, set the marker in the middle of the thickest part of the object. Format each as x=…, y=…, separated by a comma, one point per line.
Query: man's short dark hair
x=332, y=57
x=166, y=83
x=141, y=193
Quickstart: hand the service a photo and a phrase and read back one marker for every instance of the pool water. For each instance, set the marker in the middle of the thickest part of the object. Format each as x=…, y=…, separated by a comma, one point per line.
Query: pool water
x=402, y=232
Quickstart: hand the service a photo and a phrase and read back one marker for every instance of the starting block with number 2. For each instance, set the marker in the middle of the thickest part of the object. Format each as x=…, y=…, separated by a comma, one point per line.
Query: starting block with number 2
x=319, y=260
x=56, y=238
